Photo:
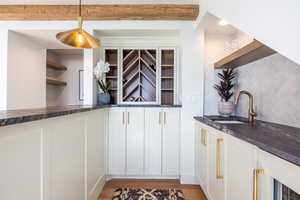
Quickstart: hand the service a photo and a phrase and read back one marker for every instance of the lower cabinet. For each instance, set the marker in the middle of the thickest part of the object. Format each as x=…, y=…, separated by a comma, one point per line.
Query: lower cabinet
x=135, y=141
x=202, y=135
x=231, y=169
x=170, y=142
x=241, y=166
x=144, y=142
x=117, y=141
x=61, y=158
x=216, y=166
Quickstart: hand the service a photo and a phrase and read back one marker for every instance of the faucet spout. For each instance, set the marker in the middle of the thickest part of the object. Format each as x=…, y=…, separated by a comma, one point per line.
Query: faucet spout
x=251, y=111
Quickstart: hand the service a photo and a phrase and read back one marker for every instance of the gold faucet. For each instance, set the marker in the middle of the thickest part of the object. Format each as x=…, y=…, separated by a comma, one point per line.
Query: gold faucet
x=251, y=112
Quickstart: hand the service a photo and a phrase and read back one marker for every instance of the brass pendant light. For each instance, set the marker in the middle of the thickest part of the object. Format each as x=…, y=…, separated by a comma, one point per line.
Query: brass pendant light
x=78, y=37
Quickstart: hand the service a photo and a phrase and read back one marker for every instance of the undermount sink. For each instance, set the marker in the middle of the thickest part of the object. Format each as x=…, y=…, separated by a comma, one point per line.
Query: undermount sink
x=229, y=122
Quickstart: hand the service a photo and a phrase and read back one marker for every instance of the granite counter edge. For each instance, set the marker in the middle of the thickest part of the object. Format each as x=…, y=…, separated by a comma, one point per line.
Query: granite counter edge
x=30, y=116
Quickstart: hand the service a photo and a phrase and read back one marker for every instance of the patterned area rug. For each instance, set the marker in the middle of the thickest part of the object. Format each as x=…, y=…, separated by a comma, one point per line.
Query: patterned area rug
x=147, y=194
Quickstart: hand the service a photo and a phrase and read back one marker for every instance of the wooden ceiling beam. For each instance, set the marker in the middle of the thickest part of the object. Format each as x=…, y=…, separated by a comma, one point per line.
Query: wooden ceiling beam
x=100, y=12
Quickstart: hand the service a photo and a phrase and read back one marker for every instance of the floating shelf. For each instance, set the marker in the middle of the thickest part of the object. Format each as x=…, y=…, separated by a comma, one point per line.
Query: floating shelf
x=247, y=54
x=56, y=66
x=167, y=65
x=167, y=89
x=167, y=77
x=111, y=77
x=53, y=81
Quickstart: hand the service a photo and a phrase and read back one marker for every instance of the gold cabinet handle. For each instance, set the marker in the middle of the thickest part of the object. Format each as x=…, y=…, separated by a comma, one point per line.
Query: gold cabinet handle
x=128, y=117
x=159, y=121
x=165, y=117
x=123, y=117
x=218, y=159
x=203, y=137
x=256, y=172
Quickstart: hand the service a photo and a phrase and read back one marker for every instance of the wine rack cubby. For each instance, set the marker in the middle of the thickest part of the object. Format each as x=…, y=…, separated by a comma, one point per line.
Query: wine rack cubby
x=167, y=76
x=111, y=56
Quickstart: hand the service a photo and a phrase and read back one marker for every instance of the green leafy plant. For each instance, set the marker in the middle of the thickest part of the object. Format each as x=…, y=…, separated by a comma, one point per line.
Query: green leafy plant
x=104, y=86
x=226, y=84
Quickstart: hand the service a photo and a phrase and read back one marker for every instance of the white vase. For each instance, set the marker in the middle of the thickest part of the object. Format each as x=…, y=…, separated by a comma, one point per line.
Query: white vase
x=225, y=108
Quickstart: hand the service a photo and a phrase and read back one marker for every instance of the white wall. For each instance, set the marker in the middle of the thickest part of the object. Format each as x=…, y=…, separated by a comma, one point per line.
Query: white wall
x=192, y=53
x=274, y=83
x=69, y=94
x=3, y=68
x=215, y=49
x=274, y=23
x=26, y=73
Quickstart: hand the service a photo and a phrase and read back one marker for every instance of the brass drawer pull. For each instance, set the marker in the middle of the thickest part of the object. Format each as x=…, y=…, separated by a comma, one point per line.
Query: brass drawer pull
x=159, y=118
x=123, y=117
x=218, y=159
x=128, y=117
x=256, y=172
x=203, y=137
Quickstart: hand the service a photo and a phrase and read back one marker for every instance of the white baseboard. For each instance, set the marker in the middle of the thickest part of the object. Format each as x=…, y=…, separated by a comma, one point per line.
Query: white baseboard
x=97, y=189
x=192, y=180
x=109, y=177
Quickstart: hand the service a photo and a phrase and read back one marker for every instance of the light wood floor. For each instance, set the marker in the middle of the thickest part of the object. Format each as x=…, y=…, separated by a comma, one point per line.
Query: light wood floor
x=191, y=192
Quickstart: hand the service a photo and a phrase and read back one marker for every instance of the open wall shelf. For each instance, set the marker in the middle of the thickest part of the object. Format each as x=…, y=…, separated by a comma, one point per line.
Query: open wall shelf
x=111, y=56
x=167, y=76
x=247, y=54
x=56, y=82
x=56, y=66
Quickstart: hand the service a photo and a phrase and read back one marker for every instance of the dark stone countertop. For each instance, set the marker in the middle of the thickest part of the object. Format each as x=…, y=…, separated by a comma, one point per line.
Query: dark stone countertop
x=10, y=117
x=280, y=140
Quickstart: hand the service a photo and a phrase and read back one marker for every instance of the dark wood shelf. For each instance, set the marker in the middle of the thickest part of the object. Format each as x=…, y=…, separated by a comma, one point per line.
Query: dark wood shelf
x=111, y=77
x=167, y=65
x=167, y=89
x=56, y=66
x=53, y=81
x=247, y=54
x=167, y=77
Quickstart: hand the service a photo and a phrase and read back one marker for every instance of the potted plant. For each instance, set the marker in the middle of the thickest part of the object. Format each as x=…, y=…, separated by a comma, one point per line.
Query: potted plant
x=100, y=69
x=103, y=97
x=225, y=106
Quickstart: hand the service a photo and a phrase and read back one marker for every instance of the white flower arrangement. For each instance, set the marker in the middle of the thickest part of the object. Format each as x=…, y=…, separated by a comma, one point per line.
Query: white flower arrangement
x=101, y=68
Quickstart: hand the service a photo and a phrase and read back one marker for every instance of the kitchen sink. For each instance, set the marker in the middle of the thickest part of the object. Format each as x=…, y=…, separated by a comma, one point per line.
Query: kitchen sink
x=229, y=122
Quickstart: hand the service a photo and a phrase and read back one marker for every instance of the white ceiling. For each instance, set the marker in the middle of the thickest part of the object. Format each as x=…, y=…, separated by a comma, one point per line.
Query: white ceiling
x=66, y=51
x=45, y=38
x=71, y=2
x=211, y=25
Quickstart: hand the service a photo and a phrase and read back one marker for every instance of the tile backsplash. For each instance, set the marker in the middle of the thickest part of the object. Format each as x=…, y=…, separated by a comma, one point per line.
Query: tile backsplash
x=275, y=84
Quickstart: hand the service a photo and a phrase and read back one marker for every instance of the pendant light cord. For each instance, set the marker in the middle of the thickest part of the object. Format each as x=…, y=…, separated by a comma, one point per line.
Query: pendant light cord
x=80, y=8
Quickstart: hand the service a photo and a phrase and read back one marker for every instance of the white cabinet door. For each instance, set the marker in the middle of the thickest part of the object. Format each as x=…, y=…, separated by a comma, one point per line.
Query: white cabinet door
x=65, y=158
x=170, y=142
x=117, y=141
x=153, y=141
x=135, y=141
x=216, y=189
x=95, y=135
x=202, y=141
x=241, y=161
x=20, y=158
